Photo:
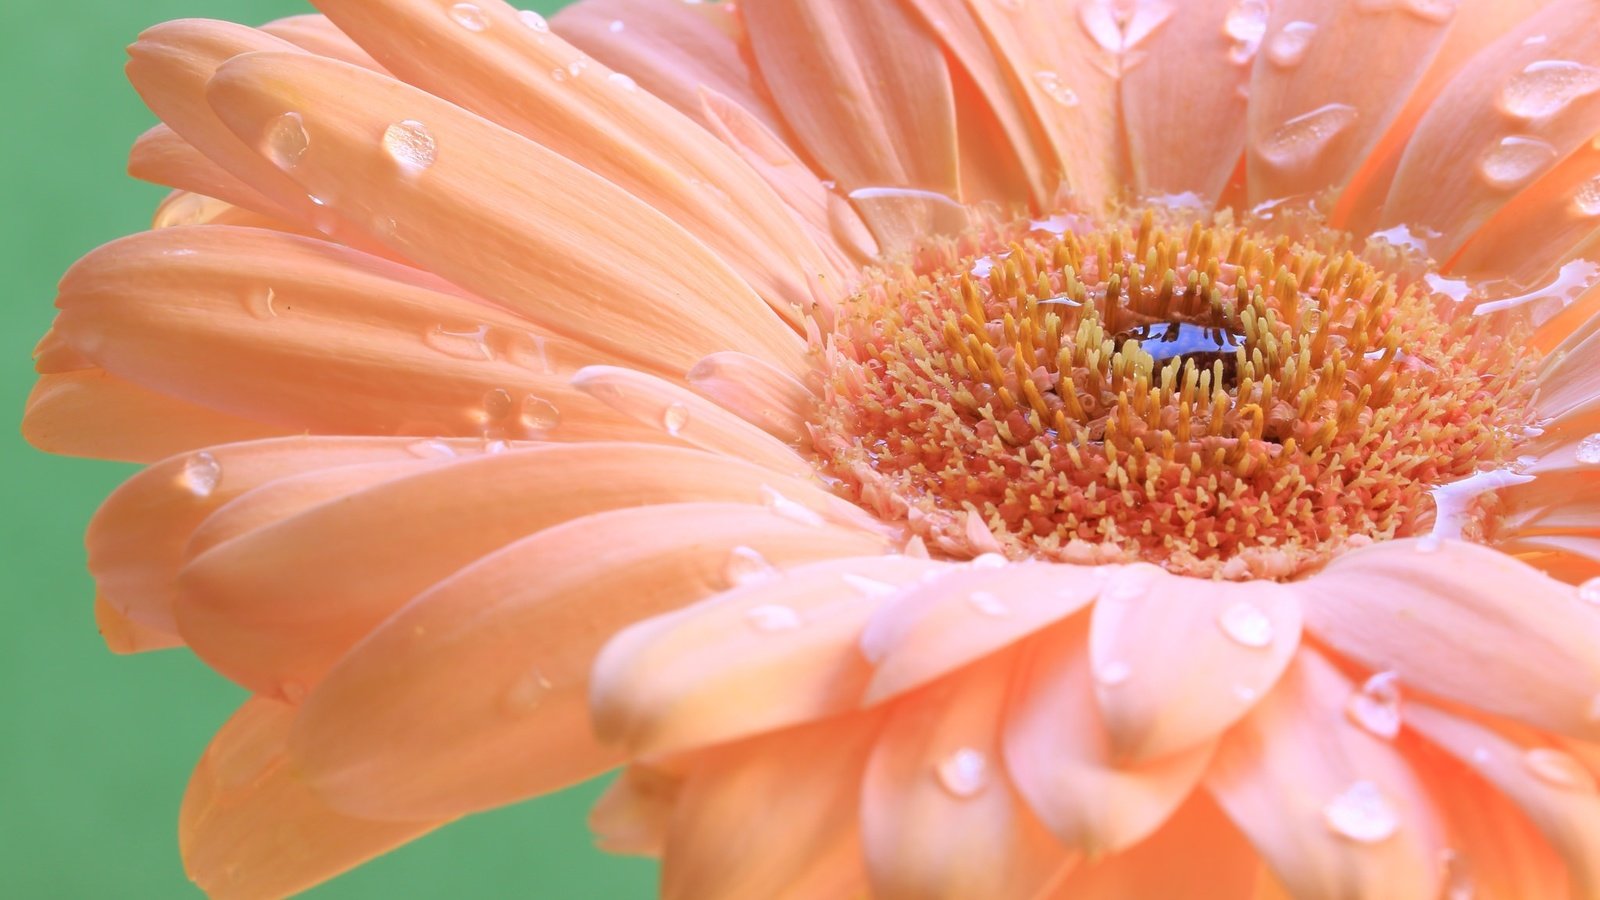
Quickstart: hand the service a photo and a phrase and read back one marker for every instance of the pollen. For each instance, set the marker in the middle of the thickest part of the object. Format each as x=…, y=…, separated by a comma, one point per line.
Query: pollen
x=1233, y=399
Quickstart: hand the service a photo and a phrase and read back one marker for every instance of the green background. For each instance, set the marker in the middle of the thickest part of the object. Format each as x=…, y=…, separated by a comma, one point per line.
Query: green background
x=95, y=748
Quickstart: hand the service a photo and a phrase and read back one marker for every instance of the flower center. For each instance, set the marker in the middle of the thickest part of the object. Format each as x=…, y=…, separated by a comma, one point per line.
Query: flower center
x=1223, y=399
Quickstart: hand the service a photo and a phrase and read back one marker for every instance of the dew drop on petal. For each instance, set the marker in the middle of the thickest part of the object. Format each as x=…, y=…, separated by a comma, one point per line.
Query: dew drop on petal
x=772, y=617
x=1376, y=707
x=746, y=565
x=1246, y=23
x=964, y=773
x=539, y=414
x=1559, y=768
x=1547, y=87
x=461, y=343
x=1588, y=451
x=1246, y=624
x=675, y=418
x=533, y=20
x=469, y=16
x=410, y=145
x=789, y=509
x=616, y=26
x=870, y=587
x=1288, y=47
x=1589, y=591
x=1050, y=82
x=1113, y=673
x=527, y=692
x=263, y=303
x=497, y=404
x=1514, y=160
x=1586, y=200
x=432, y=449
x=1361, y=813
x=1299, y=141
x=200, y=474
x=988, y=603
x=286, y=140
x=558, y=74
x=622, y=81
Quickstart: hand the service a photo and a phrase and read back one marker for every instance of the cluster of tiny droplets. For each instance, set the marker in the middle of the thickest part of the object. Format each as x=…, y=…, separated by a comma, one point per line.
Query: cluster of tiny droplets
x=1224, y=399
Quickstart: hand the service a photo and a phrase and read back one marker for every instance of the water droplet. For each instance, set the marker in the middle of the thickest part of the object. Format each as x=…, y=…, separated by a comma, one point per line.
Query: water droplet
x=964, y=773
x=983, y=265
x=469, y=16
x=286, y=140
x=870, y=587
x=539, y=414
x=1571, y=281
x=1547, y=87
x=410, y=145
x=622, y=81
x=1246, y=22
x=1457, y=289
x=772, y=617
x=200, y=474
x=527, y=692
x=577, y=67
x=1376, y=707
x=1589, y=591
x=746, y=565
x=988, y=603
x=1559, y=768
x=1113, y=673
x=558, y=74
x=675, y=418
x=1361, y=813
x=533, y=20
x=471, y=343
x=497, y=404
x=789, y=509
x=1301, y=140
x=616, y=26
x=1588, y=451
x=1246, y=624
x=432, y=449
x=1050, y=83
x=1586, y=200
x=263, y=303
x=1513, y=160
x=1453, y=503
x=1288, y=47
x=1536, y=40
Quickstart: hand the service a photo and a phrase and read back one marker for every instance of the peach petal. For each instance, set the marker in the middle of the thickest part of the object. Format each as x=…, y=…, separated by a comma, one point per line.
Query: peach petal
x=1471, y=120
x=250, y=828
x=778, y=649
x=1197, y=855
x=1189, y=83
x=634, y=813
x=626, y=136
x=687, y=417
x=1312, y=124
x=1060, y=756
x=162, y=157
x=93, y=413
x=54, y=356
x=757, y=392
x=276, y=608
x=1467, y=623
x=1334, y=811
x=573, y=252
x=241, y=320
x=939, y=817
x=137, y=538
x=864, y=86
x=962, y=613
x=317, y=34
x=1567, y=814
x=775, y=816
x=1526, y=241
x=1569, y=386
x=124, y=635
x=475, y=694
x=1576, y=322
x=1219, y=645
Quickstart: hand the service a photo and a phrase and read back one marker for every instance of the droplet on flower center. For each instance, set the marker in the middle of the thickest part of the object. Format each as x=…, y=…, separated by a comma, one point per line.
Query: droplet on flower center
x=1361, y=813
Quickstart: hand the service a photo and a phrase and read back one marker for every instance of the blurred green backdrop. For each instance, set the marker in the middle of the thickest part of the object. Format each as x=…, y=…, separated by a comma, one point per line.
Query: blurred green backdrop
x=95, y=749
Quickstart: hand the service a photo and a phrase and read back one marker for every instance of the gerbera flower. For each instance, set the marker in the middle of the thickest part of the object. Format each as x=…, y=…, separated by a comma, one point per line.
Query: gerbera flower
x=1004, y=448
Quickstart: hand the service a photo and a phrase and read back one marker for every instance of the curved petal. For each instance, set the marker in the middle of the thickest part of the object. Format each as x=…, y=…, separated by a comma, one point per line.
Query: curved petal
x=1543, y=226
x=634, y=813
x=568, y=249
x=476, y=693
x=124, y=635
x=1334, y=811
x=318, y=35
x=1218, y=645
x=756, y=391
x=774, y=651
x=1467, y=623
x=160, y=156
x=251, y=828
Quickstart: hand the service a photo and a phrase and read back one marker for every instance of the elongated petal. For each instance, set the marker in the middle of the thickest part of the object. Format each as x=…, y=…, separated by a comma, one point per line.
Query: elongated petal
x=161, y=156
x=1335, y=811
x=250, y=828
x=317, y=34
x=778, y=650
x=1156, y=636
x=757, y=392
x=939, y=817
x=1467, y=623
x=476, y=693
x=124, y=635
x=1197, y=855
x=565, y=247
x=1527, y=240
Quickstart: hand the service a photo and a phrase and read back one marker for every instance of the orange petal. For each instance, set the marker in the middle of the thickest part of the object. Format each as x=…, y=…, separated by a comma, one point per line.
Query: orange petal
x=1197, y=855
x=274, y=609
x=54, y=356
x=124, y=635
x=162, y=157
x=137, y=538
x=318, y=35
x=939, y=817
x=1539, y=229
x=1218, y=645
x=599, y=119
x=476, y=693
x=1509, y=116
x=776, y=650
x=250, y=828
x=1575, y=322
x=757, y=392
x=1569, y=386
x=572, y=251
x=96, y=414
x=1548, y=785
x=243, y=320
x=634, y=813
x=775, y=816
x=1060, y=755
x=1467, y=623
x=1334, y=811
x=960, y=614
x=1313, y=123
